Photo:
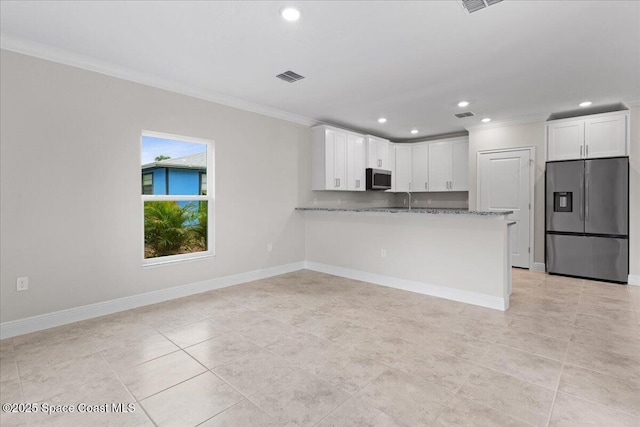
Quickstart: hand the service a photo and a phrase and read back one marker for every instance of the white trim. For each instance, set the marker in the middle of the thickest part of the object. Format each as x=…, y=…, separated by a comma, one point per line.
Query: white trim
x=460, y=295
x=49, y=320
x=634, y=280
x=523, y=120
x=538, y=266
x=532, y=179
x=50, y=53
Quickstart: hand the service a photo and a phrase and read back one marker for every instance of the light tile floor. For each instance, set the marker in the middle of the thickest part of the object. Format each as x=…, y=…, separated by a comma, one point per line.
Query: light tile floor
x=308, y=349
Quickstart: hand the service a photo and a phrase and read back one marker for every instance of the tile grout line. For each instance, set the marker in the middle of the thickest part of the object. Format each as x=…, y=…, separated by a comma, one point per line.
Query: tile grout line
x=128, y=391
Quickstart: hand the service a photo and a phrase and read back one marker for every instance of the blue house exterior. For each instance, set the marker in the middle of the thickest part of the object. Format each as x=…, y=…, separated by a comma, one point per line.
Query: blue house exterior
x=180, y=176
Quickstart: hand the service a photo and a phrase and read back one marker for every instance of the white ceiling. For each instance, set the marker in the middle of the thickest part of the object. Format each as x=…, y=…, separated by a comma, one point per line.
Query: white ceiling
x=410, y=62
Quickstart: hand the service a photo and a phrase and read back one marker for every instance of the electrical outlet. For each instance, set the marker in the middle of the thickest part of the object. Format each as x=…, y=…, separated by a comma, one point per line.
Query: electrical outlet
x=269, y=247
x=383, y=253
x=339, y=201
x=22, y=284
x=404, y=202
x=428, y=201
x=315, y=201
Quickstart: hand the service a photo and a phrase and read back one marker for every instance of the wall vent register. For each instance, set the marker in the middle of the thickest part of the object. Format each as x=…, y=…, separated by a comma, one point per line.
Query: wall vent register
x=290, y=76
x=476, y=5
x=465, y=114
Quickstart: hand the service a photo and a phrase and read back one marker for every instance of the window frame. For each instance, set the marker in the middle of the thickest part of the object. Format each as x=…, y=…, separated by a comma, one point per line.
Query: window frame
x=209, y=198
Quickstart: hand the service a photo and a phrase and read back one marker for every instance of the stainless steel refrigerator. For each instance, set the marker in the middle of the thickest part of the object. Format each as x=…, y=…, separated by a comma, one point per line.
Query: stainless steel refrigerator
x=587, y=218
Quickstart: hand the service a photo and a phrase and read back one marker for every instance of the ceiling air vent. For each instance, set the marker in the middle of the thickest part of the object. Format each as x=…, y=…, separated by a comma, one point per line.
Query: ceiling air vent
x=465, y=114
x=475, y=5
x=290, y=76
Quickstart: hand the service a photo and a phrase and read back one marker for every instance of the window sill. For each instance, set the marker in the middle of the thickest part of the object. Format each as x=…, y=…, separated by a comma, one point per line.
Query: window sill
x=160, y=263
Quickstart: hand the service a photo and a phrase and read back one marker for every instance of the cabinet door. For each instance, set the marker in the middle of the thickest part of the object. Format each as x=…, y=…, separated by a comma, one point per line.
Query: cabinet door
x=355, y=163
x=383, y=155
x=403, y=168
x=460, y=166
x=606, y=137
x=372, y=153
x=340, y=160
x=565, y=141
x=439, y=169
x=419, y=159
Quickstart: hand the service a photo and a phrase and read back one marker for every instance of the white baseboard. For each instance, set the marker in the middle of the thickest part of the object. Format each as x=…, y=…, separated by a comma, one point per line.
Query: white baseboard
x=49, y=320
x=468, y=297
x=538, y=266
x=634, y=280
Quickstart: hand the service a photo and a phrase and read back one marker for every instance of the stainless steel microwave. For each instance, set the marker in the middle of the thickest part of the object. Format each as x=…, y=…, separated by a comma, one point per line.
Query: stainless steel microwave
x=378, y=179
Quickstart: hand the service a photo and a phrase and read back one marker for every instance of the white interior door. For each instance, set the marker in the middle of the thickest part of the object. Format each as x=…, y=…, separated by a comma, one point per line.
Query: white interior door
x=504, y=184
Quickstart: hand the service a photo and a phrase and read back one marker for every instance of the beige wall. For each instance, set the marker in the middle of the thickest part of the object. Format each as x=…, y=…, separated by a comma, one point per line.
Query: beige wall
x=70, y=186
x=634, y=199
x=459, y=252
x=524, y=135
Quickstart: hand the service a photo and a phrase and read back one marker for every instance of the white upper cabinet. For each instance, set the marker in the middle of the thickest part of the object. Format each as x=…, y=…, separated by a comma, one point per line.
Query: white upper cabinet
x=439, y=166
x=419, y=167
x=448, y=165
x=605, y=136
x=460, y=166
x=589, y=137
x=377, y=153
x=337, y=159
x=565, y=140
x=355, y=163
x=403, y=167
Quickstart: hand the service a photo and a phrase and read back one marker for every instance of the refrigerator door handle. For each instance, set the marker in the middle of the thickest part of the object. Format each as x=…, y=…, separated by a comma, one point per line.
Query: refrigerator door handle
x=581, y=211
x=586, y=196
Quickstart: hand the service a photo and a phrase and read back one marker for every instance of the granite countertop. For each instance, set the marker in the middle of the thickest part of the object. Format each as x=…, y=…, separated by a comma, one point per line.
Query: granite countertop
x=413, y=210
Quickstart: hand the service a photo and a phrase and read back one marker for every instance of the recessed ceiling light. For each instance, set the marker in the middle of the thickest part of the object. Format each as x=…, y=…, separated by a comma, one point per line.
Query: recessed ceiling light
x=486, y=120
x=585, y=103
x=414, y=131
x=463, y=103
x=290, y=14
x=382, y=120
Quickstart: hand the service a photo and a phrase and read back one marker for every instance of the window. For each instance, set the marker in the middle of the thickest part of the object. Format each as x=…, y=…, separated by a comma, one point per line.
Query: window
x=147, y=183
x=177, y=198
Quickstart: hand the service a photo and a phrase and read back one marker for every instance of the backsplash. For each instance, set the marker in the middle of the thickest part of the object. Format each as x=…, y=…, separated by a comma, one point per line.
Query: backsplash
x=454, y=199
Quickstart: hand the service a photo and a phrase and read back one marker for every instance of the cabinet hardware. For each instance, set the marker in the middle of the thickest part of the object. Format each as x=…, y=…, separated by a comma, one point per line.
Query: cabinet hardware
x=586, y=196
x=581, y=151
x=335, y=182
x=357, y=183
x=338, y=182
x=426, y=187
x=587, y=153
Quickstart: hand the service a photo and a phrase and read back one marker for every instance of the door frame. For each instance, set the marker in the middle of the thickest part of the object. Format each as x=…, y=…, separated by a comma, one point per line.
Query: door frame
x=532, y=163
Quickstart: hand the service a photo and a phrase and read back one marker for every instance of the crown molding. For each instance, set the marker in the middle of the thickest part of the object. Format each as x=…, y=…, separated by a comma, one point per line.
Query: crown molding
x=62, y=56
x=509, y=122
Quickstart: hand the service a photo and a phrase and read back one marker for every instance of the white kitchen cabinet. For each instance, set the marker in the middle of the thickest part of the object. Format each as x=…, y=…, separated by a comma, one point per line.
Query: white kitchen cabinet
x=419, y=167
x=337, y=159
x=403, y=167
x=377, y=150
x=565, y=140
x=459, y=166
x=448, y=165
x=439, y=170
x=588, y=137
x=605, y=136
x=355, y=163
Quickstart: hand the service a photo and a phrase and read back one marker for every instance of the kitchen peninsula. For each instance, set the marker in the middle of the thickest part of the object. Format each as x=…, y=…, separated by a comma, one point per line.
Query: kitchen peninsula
x=456, y=254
